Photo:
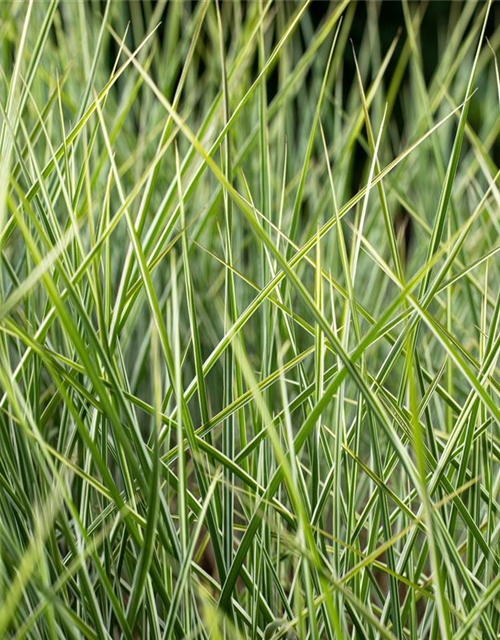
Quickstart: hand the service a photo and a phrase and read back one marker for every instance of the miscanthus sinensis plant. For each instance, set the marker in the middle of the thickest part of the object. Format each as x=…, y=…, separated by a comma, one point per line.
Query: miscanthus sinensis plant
x=249, y=320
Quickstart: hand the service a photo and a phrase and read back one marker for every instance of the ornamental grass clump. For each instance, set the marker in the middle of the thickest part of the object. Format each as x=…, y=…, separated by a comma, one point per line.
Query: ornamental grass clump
x=249, y=320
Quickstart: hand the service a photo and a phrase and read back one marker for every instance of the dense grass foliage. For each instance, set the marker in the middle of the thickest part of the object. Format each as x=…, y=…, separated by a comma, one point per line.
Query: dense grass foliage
x=249, y=320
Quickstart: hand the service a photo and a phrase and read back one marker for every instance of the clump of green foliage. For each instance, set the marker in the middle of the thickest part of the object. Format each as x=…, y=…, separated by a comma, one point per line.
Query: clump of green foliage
x=249, y=320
